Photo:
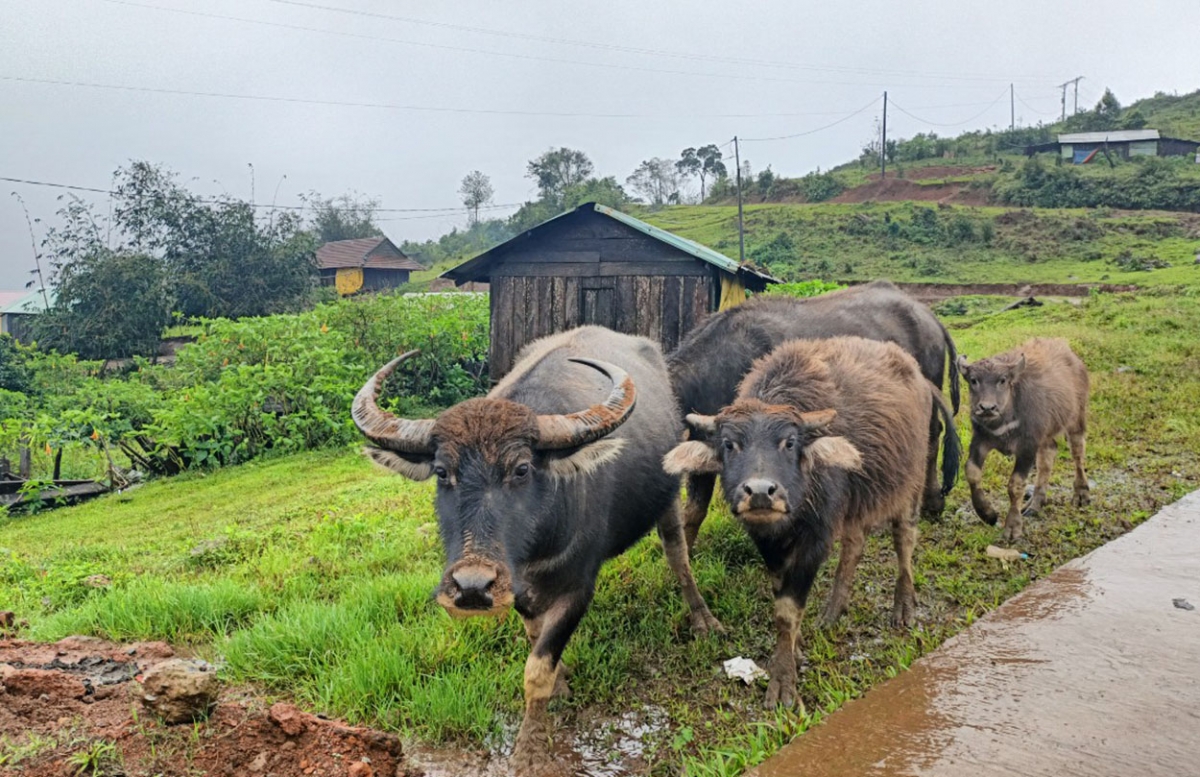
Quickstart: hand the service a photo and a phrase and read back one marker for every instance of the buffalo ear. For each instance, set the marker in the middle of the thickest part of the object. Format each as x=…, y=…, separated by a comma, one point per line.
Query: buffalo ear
x=705, y=424
x=963, y=367
x=834, y=452
x=816, y=421
x=584, y=459
x=1017, y=370
x=692, y=457
x=412, y=467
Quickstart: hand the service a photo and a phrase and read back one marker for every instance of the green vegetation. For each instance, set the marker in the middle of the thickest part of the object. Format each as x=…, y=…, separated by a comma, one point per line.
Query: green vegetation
x=915, y=242
x=310, y=574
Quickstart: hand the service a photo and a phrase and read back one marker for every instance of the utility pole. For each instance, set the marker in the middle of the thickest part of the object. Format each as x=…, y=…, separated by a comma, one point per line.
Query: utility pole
x=1063, y=86
x=883, y=145
x=1012, y=109
x=737, y=158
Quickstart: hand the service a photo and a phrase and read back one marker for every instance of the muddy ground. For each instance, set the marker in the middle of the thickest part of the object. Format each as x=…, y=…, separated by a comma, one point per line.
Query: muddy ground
x=74, y=707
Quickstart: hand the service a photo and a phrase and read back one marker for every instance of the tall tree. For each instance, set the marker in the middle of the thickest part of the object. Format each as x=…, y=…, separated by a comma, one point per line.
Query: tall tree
x=702, y=162
x=558, y=170
x=476, y=190
x=345, y=217
x=657, y=180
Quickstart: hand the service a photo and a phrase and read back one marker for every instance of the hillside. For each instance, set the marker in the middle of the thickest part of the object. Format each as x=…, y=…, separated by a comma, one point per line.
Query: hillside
x=961, y=244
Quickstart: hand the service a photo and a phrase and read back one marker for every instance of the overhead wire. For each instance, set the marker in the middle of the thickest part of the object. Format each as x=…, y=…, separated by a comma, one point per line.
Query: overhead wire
x=847, y=117
x=897, y=106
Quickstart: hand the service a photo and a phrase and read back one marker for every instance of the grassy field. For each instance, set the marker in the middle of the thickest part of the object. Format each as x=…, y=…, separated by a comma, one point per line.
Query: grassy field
x=311, y=575
x=925, y=242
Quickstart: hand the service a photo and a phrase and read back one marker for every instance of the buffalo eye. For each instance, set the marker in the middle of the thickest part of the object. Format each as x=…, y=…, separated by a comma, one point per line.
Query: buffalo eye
x=790, y=444
x=729, y=446
x=974, y=381
x=521, y=471
x=442, y=475
x=1003, y=381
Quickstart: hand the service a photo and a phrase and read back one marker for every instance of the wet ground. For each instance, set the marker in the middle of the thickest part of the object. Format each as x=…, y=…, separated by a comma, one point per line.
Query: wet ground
x=1094, y=670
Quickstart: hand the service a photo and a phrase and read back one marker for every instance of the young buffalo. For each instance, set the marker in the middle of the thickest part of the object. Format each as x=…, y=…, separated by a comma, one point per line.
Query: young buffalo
x=826, y=439
x=1021, y=400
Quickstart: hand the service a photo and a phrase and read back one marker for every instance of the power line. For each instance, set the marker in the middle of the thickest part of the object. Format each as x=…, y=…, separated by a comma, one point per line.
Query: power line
x=646, y=51
x=210, y=200
x=389, y=106
x=486, y=52
x=951, y=124
x=814, y=131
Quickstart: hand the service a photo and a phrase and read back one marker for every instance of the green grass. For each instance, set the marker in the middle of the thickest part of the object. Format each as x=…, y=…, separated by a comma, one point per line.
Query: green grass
x=311, y=575
x=856, y=242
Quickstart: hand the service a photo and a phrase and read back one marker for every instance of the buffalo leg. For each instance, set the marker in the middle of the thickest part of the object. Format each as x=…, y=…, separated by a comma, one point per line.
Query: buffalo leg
x=843, y=578
x=933, y=503
x=670, y=531
x=975, y=459
x=904, y=537
x=533, y=630
x=531, y=754
x=1045, y=465
x=790, y=597
x=699, y=493
x=1078, y=441
x=1013, y=525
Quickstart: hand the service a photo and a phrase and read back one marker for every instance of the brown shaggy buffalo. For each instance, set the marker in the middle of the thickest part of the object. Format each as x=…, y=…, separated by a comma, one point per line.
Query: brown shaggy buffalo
x=826, y=439
x=713, y=359
x=554, y=471
x=1021, y=400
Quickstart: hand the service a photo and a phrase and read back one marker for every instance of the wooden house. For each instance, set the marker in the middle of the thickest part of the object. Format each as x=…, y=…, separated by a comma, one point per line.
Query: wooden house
x=596, y=265
x=17, y=311
x=365, y=264
x=1084, y=147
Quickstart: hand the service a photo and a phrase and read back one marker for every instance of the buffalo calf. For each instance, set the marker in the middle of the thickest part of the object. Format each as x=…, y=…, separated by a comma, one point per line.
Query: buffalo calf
x=1021, y=400
x=554, y=471
x=826, y=439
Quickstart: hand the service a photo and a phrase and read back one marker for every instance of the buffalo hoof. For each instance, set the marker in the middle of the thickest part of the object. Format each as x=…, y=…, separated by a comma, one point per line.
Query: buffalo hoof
x=781, y=690
x=1012, y=533
x=531, y=757
x=1033, y=509
x=989, y=516
x=562, y=690
x=831, y=615
x=932, y=507
x=1082, y=498
x=904, y=612
x=704, y=623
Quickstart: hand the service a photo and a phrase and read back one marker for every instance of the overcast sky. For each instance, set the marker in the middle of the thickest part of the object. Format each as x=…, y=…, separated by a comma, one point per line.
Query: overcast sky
x=488, y=85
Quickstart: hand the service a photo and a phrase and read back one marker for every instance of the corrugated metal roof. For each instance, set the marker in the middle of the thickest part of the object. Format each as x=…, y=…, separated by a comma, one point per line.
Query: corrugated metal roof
x=465, y=271
x=29, y=303
x=9, y=297
x=1113, y=136
x=357, y=253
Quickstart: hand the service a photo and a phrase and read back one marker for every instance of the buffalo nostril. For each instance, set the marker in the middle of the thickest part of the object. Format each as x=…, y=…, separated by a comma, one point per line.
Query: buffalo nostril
x=771, y=490
x=759, y=487
x=477, y=579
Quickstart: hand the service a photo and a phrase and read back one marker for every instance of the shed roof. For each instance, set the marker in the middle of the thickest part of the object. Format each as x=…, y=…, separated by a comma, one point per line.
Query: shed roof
x=357, y=253
x=29, y=303
x=475, y=269
x=1112, y=136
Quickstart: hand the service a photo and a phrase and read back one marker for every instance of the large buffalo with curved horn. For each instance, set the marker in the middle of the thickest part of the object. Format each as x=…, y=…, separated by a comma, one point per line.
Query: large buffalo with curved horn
x=538, y=483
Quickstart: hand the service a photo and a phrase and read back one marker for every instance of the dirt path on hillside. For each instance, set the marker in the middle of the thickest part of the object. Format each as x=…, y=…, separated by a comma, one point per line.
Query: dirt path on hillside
x=899, y=189
x=60, y=702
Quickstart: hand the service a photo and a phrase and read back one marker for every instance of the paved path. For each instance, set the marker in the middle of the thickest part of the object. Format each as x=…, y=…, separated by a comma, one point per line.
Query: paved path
x=1091, y=671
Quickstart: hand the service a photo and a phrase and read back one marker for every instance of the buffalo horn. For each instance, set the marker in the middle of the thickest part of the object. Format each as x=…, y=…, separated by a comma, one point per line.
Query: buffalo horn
x=570, y=431
x=385, y=429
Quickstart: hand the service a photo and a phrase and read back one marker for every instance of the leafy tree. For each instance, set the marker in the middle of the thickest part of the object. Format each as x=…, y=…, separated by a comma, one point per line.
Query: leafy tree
x=1108, y=111
x=702, y=162
x=558, y=170
x=14, y=370
x=657, y=180
x=1133, y=119
x=476, y=190
x=345, y=217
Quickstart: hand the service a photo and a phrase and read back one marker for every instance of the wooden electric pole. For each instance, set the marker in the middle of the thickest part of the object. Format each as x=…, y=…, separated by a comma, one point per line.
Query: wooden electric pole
x=737, y=158
x=1063, y=86
x=883, y=145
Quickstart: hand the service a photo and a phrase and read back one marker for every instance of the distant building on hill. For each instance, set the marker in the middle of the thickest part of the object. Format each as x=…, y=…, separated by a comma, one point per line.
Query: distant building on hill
x=364, y=264
x=1083, y=147
x=17, y=309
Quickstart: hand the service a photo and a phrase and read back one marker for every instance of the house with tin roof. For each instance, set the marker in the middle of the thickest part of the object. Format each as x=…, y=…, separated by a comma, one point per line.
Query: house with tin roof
x=364, y=264
x=1083, y=147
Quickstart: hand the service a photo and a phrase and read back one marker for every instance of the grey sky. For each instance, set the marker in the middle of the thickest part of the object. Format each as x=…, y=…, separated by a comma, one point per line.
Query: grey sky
x=942, y=60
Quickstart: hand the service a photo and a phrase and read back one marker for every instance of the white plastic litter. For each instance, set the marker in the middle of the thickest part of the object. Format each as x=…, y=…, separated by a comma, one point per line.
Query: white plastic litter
x=743, y=669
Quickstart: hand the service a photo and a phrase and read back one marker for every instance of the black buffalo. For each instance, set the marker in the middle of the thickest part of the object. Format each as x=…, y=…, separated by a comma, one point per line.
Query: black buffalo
x=713, y=359
x=554, y=471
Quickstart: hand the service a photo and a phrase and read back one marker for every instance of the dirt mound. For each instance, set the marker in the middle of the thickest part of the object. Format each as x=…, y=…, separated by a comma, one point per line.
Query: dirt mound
x=77, y=703
x=937, y=172
x=898, y=189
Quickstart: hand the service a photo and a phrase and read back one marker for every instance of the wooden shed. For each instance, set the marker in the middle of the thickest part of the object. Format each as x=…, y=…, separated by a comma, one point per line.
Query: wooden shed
x=596, y=265
x=365, y=264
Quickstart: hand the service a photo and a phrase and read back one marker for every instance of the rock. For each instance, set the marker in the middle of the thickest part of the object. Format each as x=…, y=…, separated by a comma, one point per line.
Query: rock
x=98, y=581
x=180, y=690
x=7, y=619
x=360, y=769
x=38, y=683
x=259, y=763
x=1183, y=604
x=290, y=719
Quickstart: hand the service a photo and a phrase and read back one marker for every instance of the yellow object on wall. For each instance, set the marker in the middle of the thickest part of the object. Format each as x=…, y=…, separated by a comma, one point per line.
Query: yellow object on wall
x=732, y=292
x=348, y=280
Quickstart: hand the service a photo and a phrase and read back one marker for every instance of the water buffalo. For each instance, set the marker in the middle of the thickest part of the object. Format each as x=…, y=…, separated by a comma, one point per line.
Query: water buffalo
x=709, y=364
x=554, y=471
x=1021, y=400
x=826, y=439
